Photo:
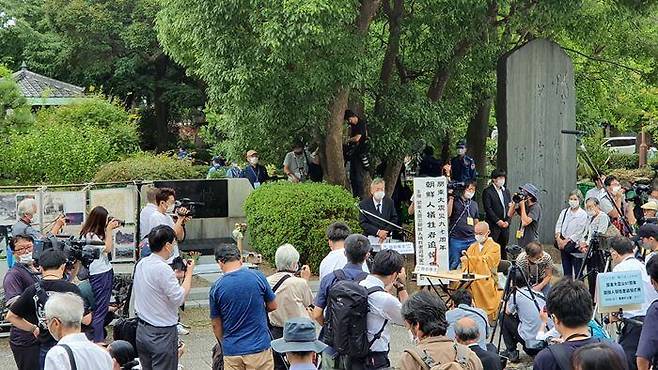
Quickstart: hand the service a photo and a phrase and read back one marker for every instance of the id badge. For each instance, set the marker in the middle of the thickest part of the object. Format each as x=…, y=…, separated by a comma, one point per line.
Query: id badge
x=469, y=221
x=519, y=233
x=256, y=185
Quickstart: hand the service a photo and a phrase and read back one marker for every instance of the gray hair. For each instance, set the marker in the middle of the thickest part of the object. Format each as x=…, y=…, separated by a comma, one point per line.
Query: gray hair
x=593, y=200
x=27, y=206
x=66, y=307
x=577, y=194
x=465, y=332
x=286, y=258
x=377, y=181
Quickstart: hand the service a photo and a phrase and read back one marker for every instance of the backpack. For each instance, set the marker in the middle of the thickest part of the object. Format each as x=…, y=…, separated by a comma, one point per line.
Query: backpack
x=427, y=362
x=346, y=328
x=126, y=329
x=562, y=354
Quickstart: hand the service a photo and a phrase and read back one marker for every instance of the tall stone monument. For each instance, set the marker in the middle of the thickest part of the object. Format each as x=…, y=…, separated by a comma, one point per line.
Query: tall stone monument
x=536, y=99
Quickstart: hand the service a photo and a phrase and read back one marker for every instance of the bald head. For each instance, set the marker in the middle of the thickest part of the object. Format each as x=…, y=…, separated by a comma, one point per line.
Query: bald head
x=467, y=331
x=482, y=227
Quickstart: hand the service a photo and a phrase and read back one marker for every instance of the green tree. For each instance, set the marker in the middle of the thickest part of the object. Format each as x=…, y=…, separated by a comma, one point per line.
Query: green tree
x=14, y=111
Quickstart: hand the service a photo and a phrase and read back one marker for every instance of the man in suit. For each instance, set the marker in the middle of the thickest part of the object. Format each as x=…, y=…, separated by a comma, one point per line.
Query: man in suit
x=467, y=332
x=380, y=205
x=495, y=199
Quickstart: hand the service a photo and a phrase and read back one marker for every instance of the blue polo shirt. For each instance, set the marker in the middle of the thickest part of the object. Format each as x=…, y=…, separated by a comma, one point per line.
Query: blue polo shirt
x=239, y=298
x=352, y=271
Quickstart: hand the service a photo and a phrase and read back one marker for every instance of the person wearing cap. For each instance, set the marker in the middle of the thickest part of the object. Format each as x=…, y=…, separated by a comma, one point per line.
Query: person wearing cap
x=462, y=167
x=297, y=163
x=299, y=344
x=529, y=210
x=355, y=150
x=24, y=345
x=495, y=199
x=648, y=235
x=217, y=163
x=649, y=210
x=255, y=172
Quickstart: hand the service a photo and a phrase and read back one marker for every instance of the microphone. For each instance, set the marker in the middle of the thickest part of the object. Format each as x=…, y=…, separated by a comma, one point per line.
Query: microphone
x=467, y=274
x=573, y=132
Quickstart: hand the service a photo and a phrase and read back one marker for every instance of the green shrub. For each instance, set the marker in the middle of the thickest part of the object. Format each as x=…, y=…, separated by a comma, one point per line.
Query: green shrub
x=68, y=144
x=147, y=166
x=622, y=160
x=298, y=214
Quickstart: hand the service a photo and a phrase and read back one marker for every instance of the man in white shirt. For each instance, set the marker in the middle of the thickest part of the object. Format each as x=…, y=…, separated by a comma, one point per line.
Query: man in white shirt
x=166, y=201
x=336, y=259
x=648, y=235
x=63, y=316
x=623, y=258
x=145, y=215
x=387, y=273
x=157, y=298
x=596, y=190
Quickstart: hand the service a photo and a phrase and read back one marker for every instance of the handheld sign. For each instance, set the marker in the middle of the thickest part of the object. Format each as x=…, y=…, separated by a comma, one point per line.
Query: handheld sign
x=619, y=290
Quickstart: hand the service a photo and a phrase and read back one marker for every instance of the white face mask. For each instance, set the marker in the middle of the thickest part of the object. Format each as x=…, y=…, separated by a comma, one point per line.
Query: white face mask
x=500, y=182
x=591, y=213
x=253, y=161
x=26, y=258
x=469, y=194
x=413, y=338
x=574, y=203
x=616, y=189
x=379, y=195
x=170, y=208
x=480, y=238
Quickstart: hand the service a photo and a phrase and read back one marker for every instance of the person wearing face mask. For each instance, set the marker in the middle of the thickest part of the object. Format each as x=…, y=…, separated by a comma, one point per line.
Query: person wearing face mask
x=27, y=209
x=615, y=191
x=649, y=210
x=157, y=298
x=529, y=211
x=462, y=167
x=462, y=216
x=20, y=276
x=648, y=235
x=623, y=259
x=483, y=257
x=296, y=164
x=27, y=312
x=254, y=171
x=73, y=350
x=597, y=224
x=165, y=200
x=570, y=230
x=425, y=316
x=495, y=199
x=380, y=205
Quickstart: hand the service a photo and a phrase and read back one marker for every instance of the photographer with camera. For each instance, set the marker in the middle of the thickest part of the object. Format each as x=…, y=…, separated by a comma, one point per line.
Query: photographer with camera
x=537, y=266
x=27, y=313
x=615, y=190
x=98, y=227
x=27, y=209
x=166, y=202
x=462, y=216
x=623, y=258
x=526, y=205
x=570, y=230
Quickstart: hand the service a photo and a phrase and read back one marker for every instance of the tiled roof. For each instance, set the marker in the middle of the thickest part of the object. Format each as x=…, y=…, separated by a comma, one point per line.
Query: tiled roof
x=34, y=85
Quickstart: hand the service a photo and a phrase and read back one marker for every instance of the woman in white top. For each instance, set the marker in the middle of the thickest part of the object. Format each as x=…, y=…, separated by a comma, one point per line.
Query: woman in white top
x=570, y=230
x=598, y=225
x=97, y=227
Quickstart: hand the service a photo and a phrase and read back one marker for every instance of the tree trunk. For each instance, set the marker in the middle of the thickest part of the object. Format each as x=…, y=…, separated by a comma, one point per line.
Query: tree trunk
x=476, y=139
x=392, y=174
x=444, y=70
x=333, y=141
x=394, y=15
x=160, y=107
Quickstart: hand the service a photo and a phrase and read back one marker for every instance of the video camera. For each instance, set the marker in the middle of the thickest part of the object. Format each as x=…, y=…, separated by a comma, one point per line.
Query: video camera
x=85, y=251
x=513, y=250
x=638, y=192
x=187, y=204
x=599, y=242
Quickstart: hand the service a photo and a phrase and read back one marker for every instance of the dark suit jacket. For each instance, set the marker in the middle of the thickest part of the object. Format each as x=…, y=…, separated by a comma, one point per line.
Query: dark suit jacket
x=371, y=225
x=490, y=360
x=492, y=207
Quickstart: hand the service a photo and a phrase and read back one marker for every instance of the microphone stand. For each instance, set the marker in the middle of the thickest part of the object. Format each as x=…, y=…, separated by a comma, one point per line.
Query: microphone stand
x=467, y=274
x=387, y=222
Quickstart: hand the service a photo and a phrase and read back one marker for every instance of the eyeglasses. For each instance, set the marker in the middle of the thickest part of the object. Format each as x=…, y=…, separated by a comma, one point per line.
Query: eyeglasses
x=22, y=247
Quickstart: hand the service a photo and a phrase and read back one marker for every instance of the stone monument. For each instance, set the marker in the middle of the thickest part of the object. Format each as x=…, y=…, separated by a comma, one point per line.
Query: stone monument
x=536, y=99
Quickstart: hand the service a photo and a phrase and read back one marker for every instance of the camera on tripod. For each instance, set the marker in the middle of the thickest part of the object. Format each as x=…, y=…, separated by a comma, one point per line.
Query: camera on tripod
x=75, y=250
x=189, y=205
x=513, y=251
x=599, y=243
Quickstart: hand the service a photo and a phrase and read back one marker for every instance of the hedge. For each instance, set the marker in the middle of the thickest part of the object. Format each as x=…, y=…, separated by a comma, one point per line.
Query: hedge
x=147, y=166
x=298, y=214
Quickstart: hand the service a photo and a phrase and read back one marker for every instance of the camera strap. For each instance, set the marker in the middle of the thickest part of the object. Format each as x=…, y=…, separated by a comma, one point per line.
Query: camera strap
x=465, y=210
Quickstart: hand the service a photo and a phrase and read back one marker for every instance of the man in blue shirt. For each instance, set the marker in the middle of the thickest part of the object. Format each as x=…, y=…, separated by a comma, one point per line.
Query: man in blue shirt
x=462, y=167
x=254, y=172
x=463, y=301
x=357, y=248
x=239, y=302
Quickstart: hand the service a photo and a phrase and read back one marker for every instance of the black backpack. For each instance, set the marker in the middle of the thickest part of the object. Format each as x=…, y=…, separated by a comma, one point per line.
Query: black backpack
x=346, y=328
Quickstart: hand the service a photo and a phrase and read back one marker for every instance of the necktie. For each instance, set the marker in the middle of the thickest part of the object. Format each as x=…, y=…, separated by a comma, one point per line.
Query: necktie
x=379, y=208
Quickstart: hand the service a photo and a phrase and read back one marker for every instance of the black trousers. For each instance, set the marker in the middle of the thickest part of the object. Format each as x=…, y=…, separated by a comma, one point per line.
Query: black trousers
x=500, y=236
x=629, y=339
x=27, y=358
x=357, y=173
x=279, y=364
x=511, y=337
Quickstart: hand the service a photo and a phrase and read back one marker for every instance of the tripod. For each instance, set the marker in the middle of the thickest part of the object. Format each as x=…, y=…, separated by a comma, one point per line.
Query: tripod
x=597, y=261
x=510, y=289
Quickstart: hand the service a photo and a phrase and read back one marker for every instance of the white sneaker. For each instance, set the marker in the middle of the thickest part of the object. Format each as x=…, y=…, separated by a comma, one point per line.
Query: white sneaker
x=182, y=330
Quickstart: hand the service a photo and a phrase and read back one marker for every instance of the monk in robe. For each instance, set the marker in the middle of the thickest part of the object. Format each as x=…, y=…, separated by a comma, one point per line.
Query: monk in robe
x=483, y=259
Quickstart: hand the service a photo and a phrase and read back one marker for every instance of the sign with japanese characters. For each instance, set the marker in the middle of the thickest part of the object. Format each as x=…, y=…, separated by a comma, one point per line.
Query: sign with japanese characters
x=622, y=289
x=431, y=218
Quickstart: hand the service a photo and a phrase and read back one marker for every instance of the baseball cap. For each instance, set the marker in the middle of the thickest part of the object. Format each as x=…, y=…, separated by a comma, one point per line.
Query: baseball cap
x=251, y=153
x=650, y=205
